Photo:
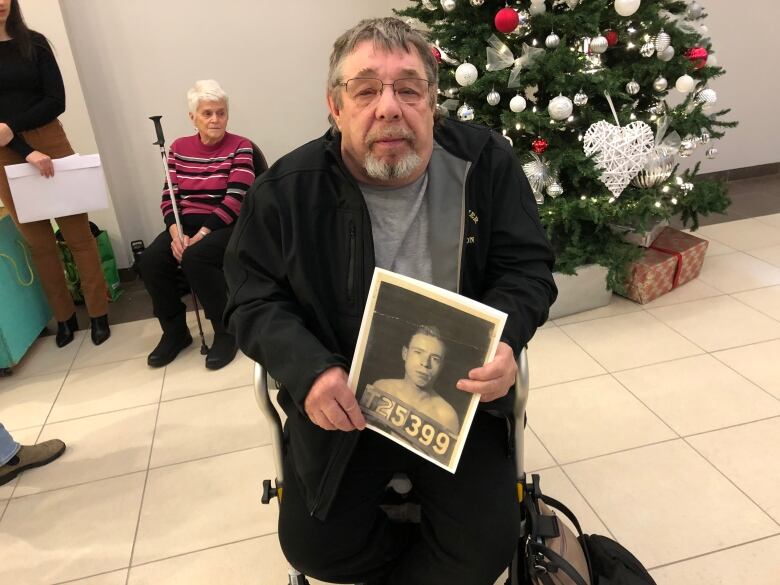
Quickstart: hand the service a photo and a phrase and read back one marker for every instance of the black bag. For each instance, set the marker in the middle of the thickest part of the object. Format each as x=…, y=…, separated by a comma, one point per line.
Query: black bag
x=553, y=555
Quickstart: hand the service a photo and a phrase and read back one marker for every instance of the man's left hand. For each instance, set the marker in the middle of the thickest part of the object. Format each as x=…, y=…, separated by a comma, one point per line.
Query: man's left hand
x=494, y=379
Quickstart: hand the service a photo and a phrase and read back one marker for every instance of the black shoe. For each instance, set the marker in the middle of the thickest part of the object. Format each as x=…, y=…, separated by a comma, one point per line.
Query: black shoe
x=65, y=331
x=30, y=456
x=100, y=329
x=169, y=347
x=222, y=351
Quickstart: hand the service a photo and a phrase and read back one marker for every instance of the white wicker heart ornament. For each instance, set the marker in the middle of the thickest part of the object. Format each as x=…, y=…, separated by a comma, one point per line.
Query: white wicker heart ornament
x=620, y=152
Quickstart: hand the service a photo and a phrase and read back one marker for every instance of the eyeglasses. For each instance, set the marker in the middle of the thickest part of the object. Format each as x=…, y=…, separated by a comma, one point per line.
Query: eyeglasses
x=364, y=91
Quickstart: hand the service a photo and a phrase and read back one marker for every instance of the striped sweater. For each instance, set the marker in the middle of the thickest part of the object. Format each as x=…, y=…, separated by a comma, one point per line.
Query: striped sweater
x=210, y=181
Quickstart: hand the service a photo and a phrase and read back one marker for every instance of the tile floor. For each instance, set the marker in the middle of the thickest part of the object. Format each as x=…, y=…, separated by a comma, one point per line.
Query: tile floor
x=671, y=442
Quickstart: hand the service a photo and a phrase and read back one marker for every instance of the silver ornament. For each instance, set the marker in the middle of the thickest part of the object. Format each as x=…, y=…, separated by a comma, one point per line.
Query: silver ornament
x=476, y=2
x=704, y=137
x=466, y=74
x=657, y=169
x=666, y=54
x=539, y=176
x=706, y=97
x=662, y=40
x=448, y=5
x=537, y=7
x=660, y=84
x=517, y=104
x=560, y=108
x=659, y=108
x=493, y=98
x=647, y=49
x=694, y=10
x=599, y=44
x=632, y=87
x=580, y=98
x=687, y=146
x=554, y=189
x=552, y=41
x=712, y=152
x=523, y=20
x=465, y=113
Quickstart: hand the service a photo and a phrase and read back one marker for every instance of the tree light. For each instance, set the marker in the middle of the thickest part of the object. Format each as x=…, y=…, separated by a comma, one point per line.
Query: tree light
x=658, y=204
x=674, y=200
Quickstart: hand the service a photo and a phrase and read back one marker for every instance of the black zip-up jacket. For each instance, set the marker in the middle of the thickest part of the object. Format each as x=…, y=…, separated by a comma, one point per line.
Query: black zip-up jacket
x=301, y=257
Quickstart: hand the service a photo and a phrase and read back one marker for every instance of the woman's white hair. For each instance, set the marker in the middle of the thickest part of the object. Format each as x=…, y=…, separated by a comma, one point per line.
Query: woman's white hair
x=205, y=90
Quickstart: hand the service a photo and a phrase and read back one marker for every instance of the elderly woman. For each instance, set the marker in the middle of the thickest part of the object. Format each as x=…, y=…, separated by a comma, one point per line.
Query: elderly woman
x=211, y=173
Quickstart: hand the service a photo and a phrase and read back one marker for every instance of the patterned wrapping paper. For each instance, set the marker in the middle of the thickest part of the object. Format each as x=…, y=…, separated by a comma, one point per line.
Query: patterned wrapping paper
x=673, y=259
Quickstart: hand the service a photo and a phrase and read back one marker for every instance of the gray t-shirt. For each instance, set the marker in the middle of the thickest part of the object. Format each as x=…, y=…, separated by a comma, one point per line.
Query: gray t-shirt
x=399, y=220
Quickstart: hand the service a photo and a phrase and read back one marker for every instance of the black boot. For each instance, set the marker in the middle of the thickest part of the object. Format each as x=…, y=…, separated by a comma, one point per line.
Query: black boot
x=65, y=331
x=100, y=329
x=224, y=348
x=176, y=336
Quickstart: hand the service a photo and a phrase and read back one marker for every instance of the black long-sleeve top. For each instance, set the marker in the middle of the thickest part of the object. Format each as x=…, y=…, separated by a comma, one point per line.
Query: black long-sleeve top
x=31, y=90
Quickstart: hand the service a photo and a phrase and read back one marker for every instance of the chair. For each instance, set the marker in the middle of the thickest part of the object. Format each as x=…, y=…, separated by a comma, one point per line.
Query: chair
x=275, y=488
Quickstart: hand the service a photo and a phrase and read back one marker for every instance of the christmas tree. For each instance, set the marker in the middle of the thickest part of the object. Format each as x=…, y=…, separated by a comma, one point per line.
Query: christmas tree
x=586, y=92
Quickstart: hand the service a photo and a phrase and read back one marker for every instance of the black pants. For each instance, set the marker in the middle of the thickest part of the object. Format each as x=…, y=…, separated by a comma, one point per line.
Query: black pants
x=470, y=520
x=202, y=266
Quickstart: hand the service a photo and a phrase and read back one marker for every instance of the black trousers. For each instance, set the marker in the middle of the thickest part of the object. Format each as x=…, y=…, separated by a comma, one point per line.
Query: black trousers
x=470, y=520
x=202, y=266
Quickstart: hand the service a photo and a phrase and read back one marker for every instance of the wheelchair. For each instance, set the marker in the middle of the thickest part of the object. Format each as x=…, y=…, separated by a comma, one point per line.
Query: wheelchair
x=400, y=484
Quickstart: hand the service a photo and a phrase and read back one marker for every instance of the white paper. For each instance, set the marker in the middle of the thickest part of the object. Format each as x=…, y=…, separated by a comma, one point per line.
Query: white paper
x=78, y=186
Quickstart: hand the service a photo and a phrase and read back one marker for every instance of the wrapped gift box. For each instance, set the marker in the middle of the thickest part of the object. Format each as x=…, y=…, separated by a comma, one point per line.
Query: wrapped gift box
x=673, y=259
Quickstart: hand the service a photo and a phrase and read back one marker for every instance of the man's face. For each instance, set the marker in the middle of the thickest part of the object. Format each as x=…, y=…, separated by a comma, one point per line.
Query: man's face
x=211, y=120
x=387, y=135
x=423, y=359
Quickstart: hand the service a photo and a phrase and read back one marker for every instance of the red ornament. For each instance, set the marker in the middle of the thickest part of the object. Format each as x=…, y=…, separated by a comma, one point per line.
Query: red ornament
x=539, y=145
x=507, y=20
x=612, y=38
x=436, y=54
x=697, y=56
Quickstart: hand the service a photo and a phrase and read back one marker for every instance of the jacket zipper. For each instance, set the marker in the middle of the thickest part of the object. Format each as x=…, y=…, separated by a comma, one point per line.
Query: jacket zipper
x=351, y=263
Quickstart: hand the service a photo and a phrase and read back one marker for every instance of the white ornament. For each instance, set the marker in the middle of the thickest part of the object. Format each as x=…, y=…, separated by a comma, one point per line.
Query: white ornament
x=537, y=7
x=560, y=108
x=554, y=189
x=477, y=2
x=666, y=54
x=626, y=7
x=647, y=49
x=466, y=74
x=552, y=41
x=694, y=10
x=448, y=5
x=619, y=152
x=662, y=40
x=707, y=97
x=704, y=29
x=685, y=84
x=712, y=60
x=517, y=104
x=493, y=98
x=632, y=87
x=465, y=113
x=599, y=44
x=660, y=84
x=580, y=98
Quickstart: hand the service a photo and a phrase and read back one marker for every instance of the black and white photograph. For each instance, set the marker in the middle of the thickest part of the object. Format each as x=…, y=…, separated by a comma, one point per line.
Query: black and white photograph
x=416, y=341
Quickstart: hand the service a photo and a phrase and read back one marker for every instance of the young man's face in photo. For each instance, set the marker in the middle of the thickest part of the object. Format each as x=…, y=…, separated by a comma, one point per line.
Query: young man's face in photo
x=423, y=359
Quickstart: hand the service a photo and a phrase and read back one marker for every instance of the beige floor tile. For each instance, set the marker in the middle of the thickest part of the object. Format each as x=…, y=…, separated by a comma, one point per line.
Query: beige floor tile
x=250, y=562
x=554, y=358
x=628, y=341
x=759, y=363
x=592, y=417
x=736, y=272
x=756, y=563
x=113, y=578
x=770, y=255
x=536, y=456
x=715, y=248
x=690, y=291
x=698, y=394
x=187, y=375
x=128, y=340
x=209, y=424
x=718, y=323
x=205, y=503
x=743, y=234
x=617, y=306
x=772, y=219
x=23, y=437
x=666, y=503
x=106, y=388
x=26, y=402
x=72, y=532
x=766, y=300
x=98, y=447
x=44, y=357
x=748, y=456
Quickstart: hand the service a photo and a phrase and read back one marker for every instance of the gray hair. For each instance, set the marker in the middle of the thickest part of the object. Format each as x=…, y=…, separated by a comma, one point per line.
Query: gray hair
x=387, y=34
x=205, y=90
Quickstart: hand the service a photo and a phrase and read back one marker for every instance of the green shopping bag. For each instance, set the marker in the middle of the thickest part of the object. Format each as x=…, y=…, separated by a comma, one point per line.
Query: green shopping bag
x=107, y=263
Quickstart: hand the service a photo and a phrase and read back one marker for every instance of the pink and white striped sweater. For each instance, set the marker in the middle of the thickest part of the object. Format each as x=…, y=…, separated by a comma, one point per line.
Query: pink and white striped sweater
x=210, y=182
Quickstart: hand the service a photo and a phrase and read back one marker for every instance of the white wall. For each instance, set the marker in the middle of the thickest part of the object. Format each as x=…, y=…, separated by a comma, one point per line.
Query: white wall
x=138, y=58
x=45, y=16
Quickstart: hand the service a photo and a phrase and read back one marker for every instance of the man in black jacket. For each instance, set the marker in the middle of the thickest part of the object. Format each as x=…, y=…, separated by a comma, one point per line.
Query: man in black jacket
x=441, y=201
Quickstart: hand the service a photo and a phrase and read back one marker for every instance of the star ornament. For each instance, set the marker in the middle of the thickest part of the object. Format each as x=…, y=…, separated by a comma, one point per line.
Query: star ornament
x=539, y=176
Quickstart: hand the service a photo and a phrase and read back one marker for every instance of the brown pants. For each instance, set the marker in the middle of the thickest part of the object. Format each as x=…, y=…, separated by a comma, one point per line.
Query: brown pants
x=51, y=140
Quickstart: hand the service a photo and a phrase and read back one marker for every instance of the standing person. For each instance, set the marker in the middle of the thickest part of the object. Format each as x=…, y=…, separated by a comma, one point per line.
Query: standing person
x=441, y=201
x=15, y=458
x=31, y=97
x=211, y=172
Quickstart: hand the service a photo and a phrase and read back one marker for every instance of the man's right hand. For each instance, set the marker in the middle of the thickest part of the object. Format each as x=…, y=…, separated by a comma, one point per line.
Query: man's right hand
x=331, y=404
x=177, y=246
